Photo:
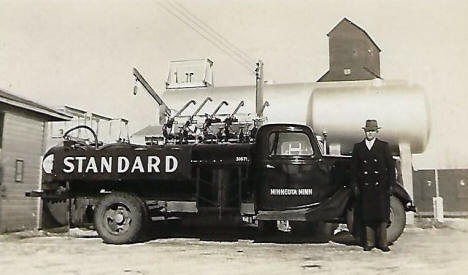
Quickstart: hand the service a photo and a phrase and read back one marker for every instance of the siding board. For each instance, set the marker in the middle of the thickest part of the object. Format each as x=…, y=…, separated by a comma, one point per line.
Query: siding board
x=22, y=139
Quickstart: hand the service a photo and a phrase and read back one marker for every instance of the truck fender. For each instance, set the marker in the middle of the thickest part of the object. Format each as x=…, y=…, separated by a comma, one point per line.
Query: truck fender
x=404, y=197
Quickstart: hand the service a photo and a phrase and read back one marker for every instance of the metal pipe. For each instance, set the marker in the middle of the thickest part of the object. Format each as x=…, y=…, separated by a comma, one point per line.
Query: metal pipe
x=219, y=106
x=259, y=88
x=96, y=141
x=266, y=104
x=185, y=107
x=201, y=106
x=238, y=107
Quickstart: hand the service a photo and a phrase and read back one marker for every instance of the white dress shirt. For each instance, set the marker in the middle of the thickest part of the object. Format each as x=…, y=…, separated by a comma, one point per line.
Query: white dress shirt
x=370, y=143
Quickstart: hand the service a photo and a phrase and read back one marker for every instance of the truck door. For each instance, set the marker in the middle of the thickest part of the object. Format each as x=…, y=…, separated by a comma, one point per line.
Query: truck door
x=292, y=173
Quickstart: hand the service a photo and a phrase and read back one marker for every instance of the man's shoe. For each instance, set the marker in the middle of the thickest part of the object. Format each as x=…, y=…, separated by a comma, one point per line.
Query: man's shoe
x=385, y=249
x=367, y=248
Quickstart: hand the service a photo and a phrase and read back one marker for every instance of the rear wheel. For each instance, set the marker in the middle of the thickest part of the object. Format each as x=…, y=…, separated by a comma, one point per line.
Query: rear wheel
x=120, y=218
x=397, y=220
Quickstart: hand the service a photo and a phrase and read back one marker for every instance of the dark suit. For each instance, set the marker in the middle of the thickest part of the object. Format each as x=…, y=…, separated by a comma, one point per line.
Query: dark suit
x=373, y=179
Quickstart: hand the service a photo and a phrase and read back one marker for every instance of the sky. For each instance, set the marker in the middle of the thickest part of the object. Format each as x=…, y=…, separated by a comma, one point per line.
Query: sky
x=81, y=53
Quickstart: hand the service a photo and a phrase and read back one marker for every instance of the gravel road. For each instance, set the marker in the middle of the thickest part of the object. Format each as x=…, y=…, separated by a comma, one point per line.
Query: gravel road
x=422, y=249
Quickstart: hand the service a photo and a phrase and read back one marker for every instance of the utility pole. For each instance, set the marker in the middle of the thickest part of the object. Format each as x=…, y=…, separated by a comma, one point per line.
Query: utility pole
x=259, y=89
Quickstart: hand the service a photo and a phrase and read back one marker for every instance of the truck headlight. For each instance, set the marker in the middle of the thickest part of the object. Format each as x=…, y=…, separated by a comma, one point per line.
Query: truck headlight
x=48, y=164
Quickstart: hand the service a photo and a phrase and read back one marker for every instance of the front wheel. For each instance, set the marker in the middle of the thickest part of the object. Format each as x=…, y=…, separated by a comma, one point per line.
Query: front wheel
x=397, y=220
x=120, y=218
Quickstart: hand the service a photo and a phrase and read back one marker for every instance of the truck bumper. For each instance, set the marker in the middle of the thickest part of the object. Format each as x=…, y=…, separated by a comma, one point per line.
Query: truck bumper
x=330, y=209
x=47, y=195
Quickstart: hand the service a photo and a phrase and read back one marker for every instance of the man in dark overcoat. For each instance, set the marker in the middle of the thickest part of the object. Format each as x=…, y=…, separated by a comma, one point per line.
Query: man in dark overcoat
x=373, y=180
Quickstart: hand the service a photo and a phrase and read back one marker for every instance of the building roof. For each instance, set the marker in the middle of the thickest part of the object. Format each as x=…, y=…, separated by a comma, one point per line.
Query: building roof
x=150, y=130
x=70, y=110
x=323, y=77
x=347, y=21
x=100, y=117
x=23, y=103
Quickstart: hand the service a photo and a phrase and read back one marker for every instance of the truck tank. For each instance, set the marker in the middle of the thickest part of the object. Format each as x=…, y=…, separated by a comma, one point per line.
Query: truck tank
x=401, y=111
x=339, y=108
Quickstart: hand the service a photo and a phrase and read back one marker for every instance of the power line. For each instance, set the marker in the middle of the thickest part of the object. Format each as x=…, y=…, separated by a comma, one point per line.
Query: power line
x=213, y=40
x=243, y=55
x=241, y=62
x=211, y=32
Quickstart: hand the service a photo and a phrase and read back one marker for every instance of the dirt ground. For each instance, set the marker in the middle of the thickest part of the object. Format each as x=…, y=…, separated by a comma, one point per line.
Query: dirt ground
x=422, y=249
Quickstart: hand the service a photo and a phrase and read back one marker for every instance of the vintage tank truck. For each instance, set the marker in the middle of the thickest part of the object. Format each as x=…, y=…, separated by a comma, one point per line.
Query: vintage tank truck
x=228, y=169
x=281, y=176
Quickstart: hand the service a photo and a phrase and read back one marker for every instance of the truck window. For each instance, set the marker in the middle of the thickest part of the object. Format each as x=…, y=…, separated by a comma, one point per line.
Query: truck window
x=290, y=144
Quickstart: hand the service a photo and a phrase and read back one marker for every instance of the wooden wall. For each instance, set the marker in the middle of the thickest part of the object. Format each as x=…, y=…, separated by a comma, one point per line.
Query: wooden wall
x=350, y=48
x=453, y=188
x=23, y=139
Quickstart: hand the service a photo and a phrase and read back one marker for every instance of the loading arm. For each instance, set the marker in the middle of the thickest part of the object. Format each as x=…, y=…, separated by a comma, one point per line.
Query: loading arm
x=149, y=89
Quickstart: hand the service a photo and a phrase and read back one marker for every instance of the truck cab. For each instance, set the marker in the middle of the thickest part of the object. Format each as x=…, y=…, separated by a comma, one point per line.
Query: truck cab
x=293, y=178
x=291, y=171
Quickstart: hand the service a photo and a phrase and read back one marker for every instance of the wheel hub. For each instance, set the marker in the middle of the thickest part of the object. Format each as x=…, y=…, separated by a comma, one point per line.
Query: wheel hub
x=118, y=219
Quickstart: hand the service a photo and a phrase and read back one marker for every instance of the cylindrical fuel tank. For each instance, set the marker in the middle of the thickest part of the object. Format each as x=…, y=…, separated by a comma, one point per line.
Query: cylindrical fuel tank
x=288, y=102
x=339, y=108
x=400, y=109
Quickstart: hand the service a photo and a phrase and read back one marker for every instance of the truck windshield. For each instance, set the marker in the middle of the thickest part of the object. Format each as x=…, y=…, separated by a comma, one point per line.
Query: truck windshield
x=290, y=144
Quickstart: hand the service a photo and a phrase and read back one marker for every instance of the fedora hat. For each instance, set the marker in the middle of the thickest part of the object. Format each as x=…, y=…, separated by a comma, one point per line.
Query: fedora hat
x=371, y=124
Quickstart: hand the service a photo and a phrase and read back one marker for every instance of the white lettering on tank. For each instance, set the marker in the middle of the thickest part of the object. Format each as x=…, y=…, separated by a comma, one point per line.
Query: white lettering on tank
x=138, y=165
x=106, y=164
x=80, y=163
x=153, y=163
x=69, y=164
x=91, y=165
x=175, y=163
x=122, y=164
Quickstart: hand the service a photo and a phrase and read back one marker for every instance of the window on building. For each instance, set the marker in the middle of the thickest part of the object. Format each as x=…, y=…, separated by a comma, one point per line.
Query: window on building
x=347, y=71
x=19, y=170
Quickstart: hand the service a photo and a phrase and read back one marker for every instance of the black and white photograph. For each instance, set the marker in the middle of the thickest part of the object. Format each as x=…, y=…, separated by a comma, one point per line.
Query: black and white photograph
x=233, y=137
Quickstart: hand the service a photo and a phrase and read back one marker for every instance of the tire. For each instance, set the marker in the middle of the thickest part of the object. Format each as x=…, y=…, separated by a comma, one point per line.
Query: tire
x=121, y=218
x=397, y=220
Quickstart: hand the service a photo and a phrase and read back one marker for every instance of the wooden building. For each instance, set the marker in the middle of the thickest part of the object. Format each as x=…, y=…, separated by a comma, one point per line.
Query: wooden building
x=353, y=55
x=453, y=188
x=23, y=131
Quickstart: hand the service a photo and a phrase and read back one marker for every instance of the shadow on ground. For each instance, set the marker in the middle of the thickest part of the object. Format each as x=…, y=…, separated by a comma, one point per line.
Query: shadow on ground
x=234, y=234
x=215, y=233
